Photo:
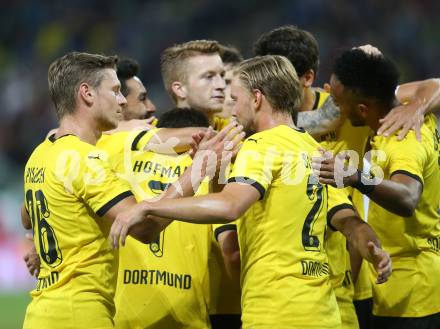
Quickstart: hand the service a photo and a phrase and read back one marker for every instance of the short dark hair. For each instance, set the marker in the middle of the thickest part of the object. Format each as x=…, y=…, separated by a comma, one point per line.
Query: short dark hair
x=182, y=118
x=367, y=75
x=68, y=72
x=230, y=55
x=127, y=68
x=299, y=46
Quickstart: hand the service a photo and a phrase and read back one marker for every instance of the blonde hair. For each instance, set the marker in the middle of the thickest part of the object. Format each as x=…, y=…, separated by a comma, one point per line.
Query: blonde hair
x=276, y=78
x=172, y=60
x=67, y=73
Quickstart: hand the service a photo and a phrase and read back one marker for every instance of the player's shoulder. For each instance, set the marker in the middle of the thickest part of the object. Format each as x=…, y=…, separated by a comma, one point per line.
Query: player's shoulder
x=40, y=151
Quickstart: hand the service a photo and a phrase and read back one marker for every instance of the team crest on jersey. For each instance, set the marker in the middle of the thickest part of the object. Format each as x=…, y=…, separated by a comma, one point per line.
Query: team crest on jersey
x=156, y=247
x=157, y=187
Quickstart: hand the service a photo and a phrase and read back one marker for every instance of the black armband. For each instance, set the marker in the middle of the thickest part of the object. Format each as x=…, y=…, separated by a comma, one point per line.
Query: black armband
x=365, y=183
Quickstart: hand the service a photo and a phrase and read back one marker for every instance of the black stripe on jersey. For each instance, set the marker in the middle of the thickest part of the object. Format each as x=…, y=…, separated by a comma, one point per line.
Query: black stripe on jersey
x=407, y=173
x=137, y=139
x=334, y=210
x=53, y=139
x=317, y=97
x=224, y=228
x=250, y=181
x=103, y=210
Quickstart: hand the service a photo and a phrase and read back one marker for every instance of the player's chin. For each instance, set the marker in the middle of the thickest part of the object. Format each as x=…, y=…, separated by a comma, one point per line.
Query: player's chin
x=113, y=123
x=215, y=107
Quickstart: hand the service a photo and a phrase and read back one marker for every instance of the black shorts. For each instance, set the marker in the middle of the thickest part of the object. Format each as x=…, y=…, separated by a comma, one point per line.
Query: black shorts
x=426, y=322
x=225, y=321
x=364, y=312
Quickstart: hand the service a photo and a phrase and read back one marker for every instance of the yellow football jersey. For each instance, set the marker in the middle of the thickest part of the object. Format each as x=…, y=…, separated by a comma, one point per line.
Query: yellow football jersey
x=68, y=186
x=362, y=286
x=224, y=296
x=284, y=266
x=413, y=290
x=220, y=123
x=320, y=98
x=347, y=137
x=164, y=284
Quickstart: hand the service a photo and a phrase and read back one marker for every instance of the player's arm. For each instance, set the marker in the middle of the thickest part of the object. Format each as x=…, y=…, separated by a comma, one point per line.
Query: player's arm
x=222, y=207
x=25, y=218
x=145, y=225
x=146, y=231
x=400, y=194
x=363, y=240
x=31, y=257
x=416, y=99
x=327, y=119
x=177, y=140
x=228, y=241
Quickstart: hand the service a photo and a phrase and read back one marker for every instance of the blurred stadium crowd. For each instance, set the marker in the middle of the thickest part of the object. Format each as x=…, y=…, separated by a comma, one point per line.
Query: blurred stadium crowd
x=33, y=33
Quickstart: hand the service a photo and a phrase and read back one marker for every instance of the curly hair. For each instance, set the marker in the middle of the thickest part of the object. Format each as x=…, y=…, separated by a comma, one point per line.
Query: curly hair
x=299, y=46
x=367, y=75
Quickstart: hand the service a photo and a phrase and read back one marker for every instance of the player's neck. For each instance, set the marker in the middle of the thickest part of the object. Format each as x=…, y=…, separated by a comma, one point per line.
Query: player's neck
x=268, y=120
x=85, y=130
x=381, y=110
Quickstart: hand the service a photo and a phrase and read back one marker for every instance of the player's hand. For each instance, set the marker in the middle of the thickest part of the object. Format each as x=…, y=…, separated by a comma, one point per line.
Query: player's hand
x=404, y=117
x=370, y=50
x=381, y=261
x=214, y=150
x=334, y=171
x=134, y=218
x=32, y=259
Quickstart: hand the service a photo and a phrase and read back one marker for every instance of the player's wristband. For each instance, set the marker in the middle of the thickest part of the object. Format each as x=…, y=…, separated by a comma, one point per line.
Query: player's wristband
x=360, y=186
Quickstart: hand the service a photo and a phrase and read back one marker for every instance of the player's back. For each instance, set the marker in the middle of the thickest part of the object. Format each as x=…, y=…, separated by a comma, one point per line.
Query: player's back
x=66, y=182
x=285, y=273
x=163, y=284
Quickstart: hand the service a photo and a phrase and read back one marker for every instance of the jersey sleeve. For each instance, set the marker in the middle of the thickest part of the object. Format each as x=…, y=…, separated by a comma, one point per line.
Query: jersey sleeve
x=406, y=157
x=97, y=184
x=142, y=138
x=338, y=199
x=220, y=123
x=254, y=165
x=220, y=228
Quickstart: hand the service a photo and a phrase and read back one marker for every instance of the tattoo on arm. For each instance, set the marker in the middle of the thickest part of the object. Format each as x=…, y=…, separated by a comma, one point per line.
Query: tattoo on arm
x=319, y=122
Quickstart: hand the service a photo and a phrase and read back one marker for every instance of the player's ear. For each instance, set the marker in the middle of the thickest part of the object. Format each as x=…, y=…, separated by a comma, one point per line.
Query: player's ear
x=258, y=98
x=363, y=110
x=308, y=78
x=86, y=93
x=179, y=90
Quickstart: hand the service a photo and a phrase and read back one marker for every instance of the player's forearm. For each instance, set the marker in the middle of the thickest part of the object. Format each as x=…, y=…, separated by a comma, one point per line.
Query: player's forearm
x=425, y=93
x=395, y=197
x=184, y=187
x=181, y=137
x=25, y=219
x=355, y=262
x=207, y=209
x=328, y=118
x=230, y=249
x=358, y=234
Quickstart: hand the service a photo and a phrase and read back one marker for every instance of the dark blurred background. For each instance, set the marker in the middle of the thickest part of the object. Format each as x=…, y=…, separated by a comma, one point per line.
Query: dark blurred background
x=33, y=33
